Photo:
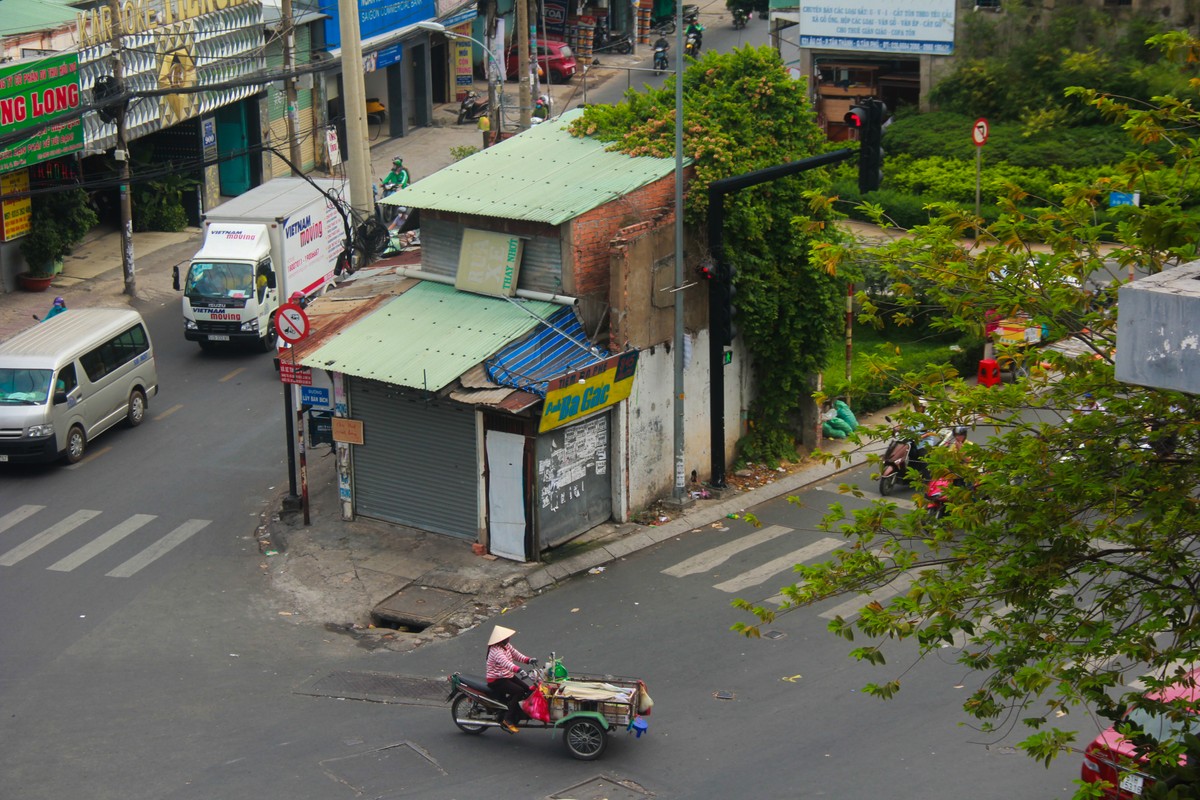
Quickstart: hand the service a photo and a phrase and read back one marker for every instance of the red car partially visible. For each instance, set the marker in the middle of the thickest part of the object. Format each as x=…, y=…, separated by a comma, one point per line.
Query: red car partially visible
x=556, y=59
x=1112, y=758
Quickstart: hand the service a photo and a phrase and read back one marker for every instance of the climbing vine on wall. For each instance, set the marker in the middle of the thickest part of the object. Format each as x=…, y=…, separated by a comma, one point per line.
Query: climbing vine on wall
x=743, y=112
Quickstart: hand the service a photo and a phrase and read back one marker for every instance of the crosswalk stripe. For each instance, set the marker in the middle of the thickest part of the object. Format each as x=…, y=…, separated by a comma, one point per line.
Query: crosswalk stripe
x=47, y=536
x=101, y=543
x=759, y=574
x=852, y=606
x=18, y=515
x=160, y=548
x=710, y=559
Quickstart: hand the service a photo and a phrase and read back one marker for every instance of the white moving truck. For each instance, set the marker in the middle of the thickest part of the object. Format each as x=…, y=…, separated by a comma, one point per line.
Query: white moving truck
x=260, y=249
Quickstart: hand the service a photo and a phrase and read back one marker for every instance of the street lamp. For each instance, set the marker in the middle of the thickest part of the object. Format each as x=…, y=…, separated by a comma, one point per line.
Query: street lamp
x=495, y=98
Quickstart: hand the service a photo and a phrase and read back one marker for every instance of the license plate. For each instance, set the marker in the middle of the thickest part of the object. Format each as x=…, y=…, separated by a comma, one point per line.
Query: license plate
x=3, y=458
x=218, y=337
x=1132, y=783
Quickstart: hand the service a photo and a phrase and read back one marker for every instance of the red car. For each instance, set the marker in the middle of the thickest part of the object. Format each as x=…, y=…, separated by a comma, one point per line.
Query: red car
x=1112, y=758
x=556, y=58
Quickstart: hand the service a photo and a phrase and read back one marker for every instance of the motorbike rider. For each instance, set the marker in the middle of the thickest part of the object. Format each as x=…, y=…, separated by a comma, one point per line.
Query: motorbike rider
x=695, y=29
x=541, y=108
x=661, y=48
x=398, y=178
x=503, y=671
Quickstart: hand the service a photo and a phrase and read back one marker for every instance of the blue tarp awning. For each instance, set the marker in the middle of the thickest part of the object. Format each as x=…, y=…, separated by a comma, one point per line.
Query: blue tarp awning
x=559, y=345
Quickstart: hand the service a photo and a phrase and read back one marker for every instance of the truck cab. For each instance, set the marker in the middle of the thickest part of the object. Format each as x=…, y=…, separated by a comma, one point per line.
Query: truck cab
x=230, y=291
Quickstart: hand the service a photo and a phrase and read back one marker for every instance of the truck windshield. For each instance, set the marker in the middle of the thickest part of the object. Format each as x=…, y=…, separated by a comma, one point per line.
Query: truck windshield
x=28, y=387
x=221, y=280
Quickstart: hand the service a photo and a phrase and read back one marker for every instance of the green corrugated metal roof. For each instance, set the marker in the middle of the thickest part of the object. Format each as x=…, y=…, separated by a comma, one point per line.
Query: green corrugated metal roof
x=27, y=16
x=428, y=336
x=543, y=174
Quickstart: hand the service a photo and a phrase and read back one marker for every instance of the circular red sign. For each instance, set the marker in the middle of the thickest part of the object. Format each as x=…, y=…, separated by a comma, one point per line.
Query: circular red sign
x=979, y=133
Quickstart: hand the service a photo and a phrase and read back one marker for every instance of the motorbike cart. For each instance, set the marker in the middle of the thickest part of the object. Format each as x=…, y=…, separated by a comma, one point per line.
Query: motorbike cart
x=587, y=708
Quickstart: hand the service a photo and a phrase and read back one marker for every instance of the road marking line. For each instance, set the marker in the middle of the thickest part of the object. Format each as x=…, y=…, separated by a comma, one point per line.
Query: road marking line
x=233, y=374
x=710, y=559
x=851, y=607
x=47, y=536
x=759, y=574
x=18, y=515
x=101, y=543
x=160, y=548
x=169, y=412
x=91, y=456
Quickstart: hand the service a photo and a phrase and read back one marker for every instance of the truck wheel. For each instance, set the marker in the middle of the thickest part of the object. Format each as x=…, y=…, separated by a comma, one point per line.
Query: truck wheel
x=76, y=445
x=265, y=343
x=137, y=408
x=585, y=739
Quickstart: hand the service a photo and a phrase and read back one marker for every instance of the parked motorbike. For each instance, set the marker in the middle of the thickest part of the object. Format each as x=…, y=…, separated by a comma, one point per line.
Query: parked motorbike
x=607, y=42
x=660, y=56
x=376, y=111
x=740, y=17
x=472, y=107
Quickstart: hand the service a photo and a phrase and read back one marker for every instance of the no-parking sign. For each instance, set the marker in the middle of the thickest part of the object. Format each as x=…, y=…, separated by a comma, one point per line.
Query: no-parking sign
x=291, y=323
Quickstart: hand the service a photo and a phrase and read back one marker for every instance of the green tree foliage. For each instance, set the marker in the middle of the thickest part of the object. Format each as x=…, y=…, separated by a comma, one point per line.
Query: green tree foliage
x=1067, y=563
x=742, y=112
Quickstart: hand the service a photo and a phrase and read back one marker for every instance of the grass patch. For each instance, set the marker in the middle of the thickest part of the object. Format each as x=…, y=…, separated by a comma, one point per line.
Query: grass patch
x=902, y=349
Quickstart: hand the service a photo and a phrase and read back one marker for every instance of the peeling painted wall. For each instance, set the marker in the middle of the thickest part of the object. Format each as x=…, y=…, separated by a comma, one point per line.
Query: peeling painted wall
x=1158, y=331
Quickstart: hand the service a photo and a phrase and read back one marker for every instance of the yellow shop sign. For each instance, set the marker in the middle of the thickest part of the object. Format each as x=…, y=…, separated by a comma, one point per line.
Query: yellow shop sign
x=588, y=389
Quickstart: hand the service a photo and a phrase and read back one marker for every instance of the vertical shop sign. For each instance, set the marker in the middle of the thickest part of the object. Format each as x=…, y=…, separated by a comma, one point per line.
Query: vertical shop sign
x=32, y=93
x=463, y=72
x=15, y=211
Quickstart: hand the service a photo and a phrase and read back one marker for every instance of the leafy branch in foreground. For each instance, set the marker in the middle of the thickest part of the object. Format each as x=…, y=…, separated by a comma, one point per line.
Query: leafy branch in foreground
x=1068, y=563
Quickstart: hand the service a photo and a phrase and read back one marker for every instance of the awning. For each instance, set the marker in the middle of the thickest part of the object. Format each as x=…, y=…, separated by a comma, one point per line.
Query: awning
x=428, y=336
x=558, y=346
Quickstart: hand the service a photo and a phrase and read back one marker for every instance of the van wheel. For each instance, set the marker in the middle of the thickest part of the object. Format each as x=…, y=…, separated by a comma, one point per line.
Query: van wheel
x=137, y=408
x=76, y=445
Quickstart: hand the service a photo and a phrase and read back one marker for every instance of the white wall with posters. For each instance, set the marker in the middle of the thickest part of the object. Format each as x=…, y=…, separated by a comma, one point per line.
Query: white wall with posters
x=922, y=27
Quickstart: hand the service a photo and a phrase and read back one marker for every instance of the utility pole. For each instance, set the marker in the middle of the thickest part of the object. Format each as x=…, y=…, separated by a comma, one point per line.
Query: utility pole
x=680, y=492
x=491, y=46
x=121, y=153
x=523, y=95
x=289, y=83
x=354, y=105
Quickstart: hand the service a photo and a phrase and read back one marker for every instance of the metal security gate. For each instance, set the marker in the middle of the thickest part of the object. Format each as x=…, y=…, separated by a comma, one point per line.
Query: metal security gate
x=417, y=465
x=574, y=485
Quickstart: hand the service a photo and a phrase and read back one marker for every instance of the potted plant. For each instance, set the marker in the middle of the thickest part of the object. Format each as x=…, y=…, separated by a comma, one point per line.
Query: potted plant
x=60, y=220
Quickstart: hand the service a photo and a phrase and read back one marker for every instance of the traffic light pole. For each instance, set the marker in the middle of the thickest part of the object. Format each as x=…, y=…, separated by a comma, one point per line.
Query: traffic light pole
x=719, y=295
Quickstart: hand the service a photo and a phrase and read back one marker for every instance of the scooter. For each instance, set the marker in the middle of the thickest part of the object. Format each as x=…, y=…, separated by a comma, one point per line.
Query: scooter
x=606, y=42
x=376, y=111
x=935, y=497
x=660, y=58
x=904, y=451
x=691, y=47
x=472, y=107
x=740, y=17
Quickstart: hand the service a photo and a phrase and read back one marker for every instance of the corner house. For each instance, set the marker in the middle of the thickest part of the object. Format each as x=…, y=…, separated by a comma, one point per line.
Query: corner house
x=67, y=380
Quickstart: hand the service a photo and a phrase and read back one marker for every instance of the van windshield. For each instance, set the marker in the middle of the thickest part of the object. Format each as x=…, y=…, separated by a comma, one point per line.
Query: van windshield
x=30, y=387
x=219, y=280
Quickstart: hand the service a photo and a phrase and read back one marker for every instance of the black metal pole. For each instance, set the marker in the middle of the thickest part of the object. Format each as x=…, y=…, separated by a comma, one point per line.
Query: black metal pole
x=716, y=291
x=291, y=441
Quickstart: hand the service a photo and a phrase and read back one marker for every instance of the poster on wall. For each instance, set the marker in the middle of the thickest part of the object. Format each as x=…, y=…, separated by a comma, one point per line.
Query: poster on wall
x=31, y=93
x=556, y=19
x=15, y=211
x=464, y=75
x=881, y=26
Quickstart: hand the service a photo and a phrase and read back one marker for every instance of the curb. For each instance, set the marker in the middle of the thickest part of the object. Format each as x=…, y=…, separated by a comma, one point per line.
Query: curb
x=843, y=455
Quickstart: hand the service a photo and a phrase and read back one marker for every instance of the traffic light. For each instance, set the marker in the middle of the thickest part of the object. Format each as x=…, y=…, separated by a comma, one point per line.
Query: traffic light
x=104, y=89
x=867, y=118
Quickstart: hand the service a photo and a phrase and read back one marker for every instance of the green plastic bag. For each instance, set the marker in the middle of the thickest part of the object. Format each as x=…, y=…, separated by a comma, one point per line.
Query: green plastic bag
x=845, y=414
x=833, y=432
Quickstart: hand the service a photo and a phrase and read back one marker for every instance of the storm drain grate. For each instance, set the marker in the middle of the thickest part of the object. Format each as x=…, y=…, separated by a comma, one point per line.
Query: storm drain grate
x=379, y=688
x=602, y=788
x=773, y=635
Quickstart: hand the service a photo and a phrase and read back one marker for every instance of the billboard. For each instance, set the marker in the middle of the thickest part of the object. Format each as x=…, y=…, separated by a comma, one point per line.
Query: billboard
x=919, y=27
x=30, y=93
x=377, y=17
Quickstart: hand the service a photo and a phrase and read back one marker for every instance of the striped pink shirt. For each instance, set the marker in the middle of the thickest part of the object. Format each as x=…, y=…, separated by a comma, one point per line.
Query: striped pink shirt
x=502, y=661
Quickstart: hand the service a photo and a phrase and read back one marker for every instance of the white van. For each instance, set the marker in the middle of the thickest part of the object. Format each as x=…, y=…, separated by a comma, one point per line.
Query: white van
x=65, y=381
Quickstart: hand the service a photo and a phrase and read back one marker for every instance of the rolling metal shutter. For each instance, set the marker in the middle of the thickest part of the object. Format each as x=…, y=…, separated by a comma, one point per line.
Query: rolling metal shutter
x=417, y=465
x=541, y=256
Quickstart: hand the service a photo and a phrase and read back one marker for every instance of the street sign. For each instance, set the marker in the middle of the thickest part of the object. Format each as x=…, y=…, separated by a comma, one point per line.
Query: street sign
x=315, y=396
x=291, y=323
x=290, y=373
x=979, y=133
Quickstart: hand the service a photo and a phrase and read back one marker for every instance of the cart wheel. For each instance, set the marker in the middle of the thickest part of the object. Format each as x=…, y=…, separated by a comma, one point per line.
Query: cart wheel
x=585, y=739
x=886, y=482
x=465, y=707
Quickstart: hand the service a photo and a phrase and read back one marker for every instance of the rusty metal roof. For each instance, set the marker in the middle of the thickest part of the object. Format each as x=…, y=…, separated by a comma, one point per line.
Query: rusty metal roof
x=426, y=337
x=543, y=174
